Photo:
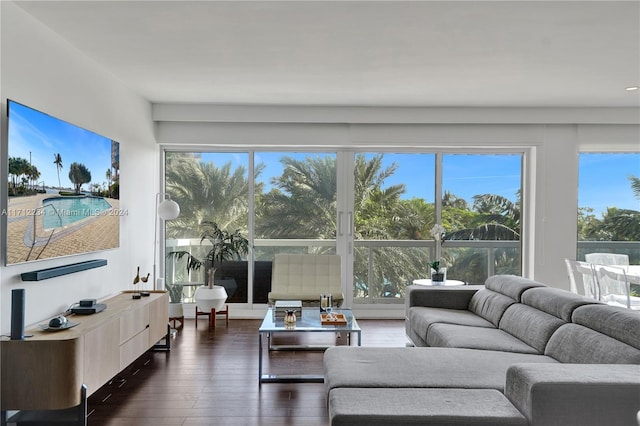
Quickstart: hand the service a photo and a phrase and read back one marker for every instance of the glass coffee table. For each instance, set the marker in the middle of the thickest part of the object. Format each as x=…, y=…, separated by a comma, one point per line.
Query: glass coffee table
x=308, y=322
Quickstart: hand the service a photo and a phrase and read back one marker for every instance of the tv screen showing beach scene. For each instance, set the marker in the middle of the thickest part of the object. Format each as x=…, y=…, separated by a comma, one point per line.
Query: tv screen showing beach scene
x=63, y=188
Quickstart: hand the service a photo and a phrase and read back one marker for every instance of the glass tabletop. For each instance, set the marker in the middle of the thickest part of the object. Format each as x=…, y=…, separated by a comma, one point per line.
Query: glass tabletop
x=309, y=321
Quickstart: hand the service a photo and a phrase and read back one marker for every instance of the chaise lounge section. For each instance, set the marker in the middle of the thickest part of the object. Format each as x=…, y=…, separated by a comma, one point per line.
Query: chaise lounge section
x=512, y=352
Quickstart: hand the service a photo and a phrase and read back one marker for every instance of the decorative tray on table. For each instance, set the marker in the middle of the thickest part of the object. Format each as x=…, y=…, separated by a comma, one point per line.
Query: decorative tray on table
x=333, y=319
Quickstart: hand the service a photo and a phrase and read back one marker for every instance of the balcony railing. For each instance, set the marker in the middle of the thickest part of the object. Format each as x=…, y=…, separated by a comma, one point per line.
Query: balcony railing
x=376, y=280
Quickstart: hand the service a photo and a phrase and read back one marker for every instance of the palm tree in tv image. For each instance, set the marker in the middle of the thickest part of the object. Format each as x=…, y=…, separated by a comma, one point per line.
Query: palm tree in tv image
x=19, y=169
x=108, y=175
x=79, y=175
x=57, y=160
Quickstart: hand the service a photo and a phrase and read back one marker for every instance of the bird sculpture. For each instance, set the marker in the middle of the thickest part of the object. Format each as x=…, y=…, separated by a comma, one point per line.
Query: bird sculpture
x=136, y=280
x=145, y=279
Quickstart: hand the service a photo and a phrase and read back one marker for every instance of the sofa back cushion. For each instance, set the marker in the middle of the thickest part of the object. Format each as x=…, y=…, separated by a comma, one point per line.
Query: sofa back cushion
x=620, y=323
x=599, y=334
x=530, y=325
x=511, y=285
x=559, y=303
x=490, y=305
x=577, y=344
x=501, y=291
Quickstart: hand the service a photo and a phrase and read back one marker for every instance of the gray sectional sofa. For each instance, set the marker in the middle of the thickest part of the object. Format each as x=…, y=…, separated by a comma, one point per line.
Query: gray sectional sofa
x=511, y=352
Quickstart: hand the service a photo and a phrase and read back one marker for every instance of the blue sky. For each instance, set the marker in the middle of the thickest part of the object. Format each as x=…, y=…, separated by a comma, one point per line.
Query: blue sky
x=465, y=175
x=39, y=136
x=603, y=177
x=603, y=181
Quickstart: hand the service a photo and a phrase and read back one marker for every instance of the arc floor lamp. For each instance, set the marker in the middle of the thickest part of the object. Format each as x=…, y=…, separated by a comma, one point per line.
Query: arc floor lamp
x=166, y=209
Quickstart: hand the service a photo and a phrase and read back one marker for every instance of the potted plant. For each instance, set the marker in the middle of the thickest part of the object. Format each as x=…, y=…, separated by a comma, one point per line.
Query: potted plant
x=225, y=245
x=438, y=272
x=175, y=300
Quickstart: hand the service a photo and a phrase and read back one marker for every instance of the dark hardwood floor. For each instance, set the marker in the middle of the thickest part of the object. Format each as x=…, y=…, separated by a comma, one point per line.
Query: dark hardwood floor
x=210, y=377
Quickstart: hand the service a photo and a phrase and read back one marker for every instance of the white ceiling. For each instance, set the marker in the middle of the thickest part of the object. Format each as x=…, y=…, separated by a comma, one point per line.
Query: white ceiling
x=362, y=53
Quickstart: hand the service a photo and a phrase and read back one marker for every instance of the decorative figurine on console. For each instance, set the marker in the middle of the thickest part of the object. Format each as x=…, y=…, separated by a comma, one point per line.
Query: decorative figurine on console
x=138, y=279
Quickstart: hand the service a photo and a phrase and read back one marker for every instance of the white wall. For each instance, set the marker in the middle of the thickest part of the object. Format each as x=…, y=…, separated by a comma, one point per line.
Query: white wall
x=41, y=70
x=552, y=137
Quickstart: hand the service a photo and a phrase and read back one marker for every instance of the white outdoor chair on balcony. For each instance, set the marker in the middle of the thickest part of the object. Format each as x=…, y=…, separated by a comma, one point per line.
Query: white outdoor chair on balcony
x=304, y=277
x=583, y=279
x=607, y=259
x=614, y=287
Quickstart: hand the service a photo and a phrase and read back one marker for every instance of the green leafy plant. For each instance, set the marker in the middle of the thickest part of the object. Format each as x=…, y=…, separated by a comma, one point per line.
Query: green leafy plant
x=225, y=245
x=175, y=293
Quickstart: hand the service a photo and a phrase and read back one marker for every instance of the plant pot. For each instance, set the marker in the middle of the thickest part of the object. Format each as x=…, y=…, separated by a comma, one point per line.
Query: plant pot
x=439, y=277
x=208, y=298
x=229, y=285
x=175, y=310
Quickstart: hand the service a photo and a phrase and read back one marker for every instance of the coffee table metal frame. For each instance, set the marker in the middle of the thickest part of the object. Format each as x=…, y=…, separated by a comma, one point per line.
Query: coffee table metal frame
x=308, y=322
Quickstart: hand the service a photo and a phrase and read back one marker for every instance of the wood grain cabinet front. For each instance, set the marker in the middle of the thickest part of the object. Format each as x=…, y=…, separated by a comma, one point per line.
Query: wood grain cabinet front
x=46, y=371
x=101, y=355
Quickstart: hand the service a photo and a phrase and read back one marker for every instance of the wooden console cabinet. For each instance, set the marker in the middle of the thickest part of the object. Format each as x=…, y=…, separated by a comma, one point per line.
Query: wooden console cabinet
x=46, y=371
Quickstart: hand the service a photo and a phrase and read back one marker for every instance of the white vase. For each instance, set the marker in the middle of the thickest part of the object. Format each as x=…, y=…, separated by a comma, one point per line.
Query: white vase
x=208, y=298
x=175, y=310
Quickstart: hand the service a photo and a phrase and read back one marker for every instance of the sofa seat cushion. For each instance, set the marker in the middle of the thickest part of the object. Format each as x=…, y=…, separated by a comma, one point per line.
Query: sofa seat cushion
x=575, y=394
x=399, y=407
x=422, y=318
x=358, y=367
x=459, y=336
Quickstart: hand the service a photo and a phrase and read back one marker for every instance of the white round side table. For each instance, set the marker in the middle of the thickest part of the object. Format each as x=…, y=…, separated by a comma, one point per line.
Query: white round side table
x=447, y=283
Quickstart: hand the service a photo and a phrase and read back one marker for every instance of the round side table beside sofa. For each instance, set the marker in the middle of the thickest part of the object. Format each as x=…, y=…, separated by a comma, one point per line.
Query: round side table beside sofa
x=447, y=283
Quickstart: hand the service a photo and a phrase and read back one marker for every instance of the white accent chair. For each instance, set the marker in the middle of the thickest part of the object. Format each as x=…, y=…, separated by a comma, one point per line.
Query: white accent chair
x=614, y=287
x=607, y=259
x=583, y=278
x=304, y=277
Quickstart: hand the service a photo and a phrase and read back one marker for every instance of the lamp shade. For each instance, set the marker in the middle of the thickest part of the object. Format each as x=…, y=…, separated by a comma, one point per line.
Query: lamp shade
x=168, y=210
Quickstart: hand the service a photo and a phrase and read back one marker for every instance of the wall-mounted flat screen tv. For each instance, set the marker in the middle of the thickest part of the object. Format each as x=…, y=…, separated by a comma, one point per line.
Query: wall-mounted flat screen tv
x=63, y=187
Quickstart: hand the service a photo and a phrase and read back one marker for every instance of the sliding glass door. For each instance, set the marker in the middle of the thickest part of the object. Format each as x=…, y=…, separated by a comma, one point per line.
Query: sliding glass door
x=481, y=213
x=295, y=209
x=393, y=213
x=375, y=209
x=209, y=187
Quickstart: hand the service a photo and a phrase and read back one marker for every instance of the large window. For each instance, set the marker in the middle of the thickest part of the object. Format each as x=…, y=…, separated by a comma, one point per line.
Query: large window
x=398, y=198
x=609, y=204
x=295, y=209
x=481, y=205
x=393, y=213
x=375, y=209
x=208, y=187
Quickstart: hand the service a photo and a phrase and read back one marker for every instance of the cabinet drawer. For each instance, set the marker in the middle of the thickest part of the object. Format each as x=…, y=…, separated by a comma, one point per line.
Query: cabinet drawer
x=133, y=348
x=101, y=351
x=158, y=319
x=133, y=322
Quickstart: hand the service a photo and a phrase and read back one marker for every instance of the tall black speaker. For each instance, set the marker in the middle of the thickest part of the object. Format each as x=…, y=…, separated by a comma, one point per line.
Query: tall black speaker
x=17, y=314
